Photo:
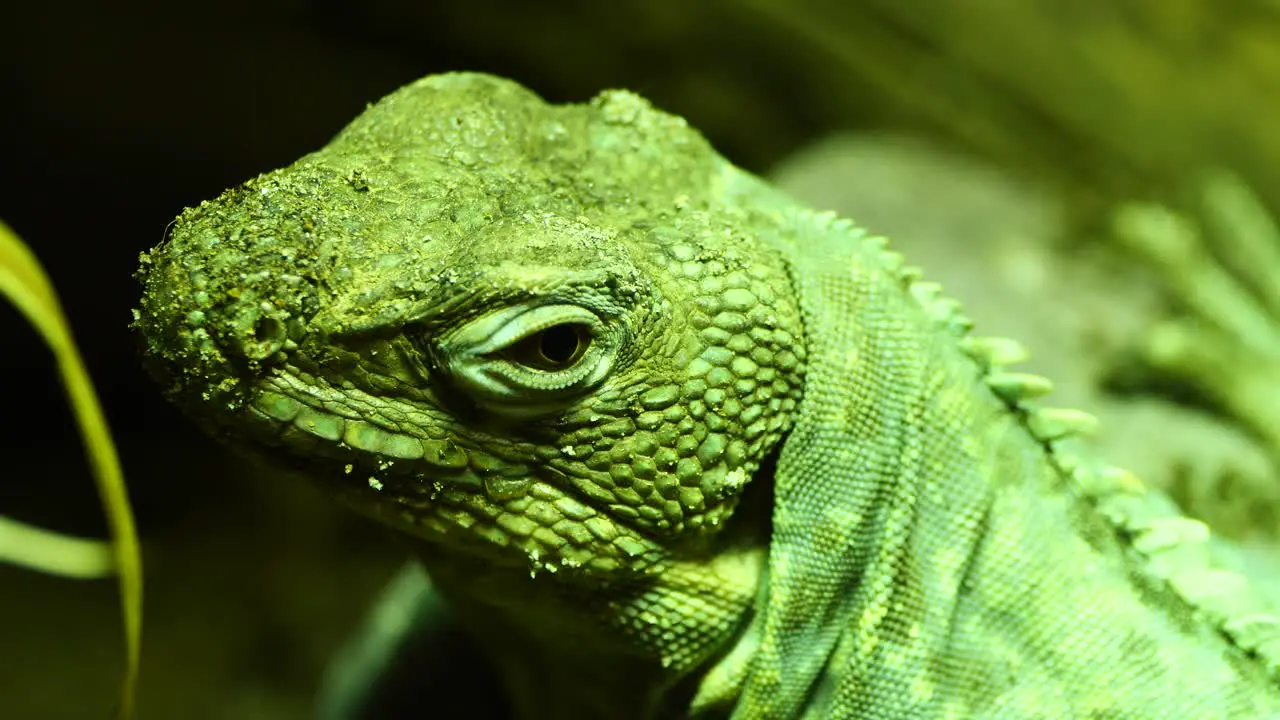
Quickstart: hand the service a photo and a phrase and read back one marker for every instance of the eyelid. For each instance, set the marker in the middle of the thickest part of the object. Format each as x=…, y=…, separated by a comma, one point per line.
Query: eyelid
x=511, y=329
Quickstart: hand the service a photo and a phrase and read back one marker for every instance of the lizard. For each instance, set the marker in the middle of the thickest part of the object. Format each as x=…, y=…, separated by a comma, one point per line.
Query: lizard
x=670, y=443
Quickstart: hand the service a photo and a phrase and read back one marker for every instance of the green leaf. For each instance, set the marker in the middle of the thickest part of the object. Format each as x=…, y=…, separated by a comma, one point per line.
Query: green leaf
x=25, y=284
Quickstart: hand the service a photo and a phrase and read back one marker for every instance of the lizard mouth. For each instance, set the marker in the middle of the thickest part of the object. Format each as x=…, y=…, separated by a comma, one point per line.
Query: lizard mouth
x=308, y=429
x=339, y=438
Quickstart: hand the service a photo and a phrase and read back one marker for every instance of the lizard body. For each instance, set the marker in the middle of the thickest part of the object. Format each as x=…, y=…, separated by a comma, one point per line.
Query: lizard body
x=672, y=444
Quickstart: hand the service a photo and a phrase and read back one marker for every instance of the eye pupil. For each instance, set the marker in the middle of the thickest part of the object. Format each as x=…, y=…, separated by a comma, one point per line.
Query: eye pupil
x=560, y=344
x=555, y=348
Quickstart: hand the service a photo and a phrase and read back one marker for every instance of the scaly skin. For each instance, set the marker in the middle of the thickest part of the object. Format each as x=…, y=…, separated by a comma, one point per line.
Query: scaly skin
x=672, y=444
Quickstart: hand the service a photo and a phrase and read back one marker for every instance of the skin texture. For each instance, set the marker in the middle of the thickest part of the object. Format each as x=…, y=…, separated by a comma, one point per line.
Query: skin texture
x=673, y=445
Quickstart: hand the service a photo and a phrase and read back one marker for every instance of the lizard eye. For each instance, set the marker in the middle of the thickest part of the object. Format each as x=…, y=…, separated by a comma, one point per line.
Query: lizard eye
x=556, y=348
x=530, y=359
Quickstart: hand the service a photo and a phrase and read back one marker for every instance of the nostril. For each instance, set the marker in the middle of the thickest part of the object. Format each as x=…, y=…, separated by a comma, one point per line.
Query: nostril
x=268, y=329
x=258, y=336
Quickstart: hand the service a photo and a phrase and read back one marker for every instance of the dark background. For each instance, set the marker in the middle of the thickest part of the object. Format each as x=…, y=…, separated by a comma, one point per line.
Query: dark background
x=115, y=116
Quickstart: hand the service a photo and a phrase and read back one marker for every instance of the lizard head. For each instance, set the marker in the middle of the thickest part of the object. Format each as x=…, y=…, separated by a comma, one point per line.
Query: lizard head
x=537, y=333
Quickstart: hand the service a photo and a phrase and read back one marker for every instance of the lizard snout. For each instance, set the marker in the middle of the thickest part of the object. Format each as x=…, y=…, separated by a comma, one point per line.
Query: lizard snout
x=209, y=333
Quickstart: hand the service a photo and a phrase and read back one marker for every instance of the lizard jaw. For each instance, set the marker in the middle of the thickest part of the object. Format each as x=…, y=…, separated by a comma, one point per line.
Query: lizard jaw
x=458, y=498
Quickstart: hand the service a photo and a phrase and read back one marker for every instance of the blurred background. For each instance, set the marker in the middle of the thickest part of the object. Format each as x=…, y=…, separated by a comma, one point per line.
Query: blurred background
x=1020, y=151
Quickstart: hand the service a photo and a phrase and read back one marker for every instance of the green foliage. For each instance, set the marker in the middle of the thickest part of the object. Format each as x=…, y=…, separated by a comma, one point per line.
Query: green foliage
x=1219, y=262
x=25, y=284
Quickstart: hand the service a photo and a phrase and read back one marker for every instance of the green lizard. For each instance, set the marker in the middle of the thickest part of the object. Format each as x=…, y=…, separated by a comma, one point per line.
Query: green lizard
x=671, y=444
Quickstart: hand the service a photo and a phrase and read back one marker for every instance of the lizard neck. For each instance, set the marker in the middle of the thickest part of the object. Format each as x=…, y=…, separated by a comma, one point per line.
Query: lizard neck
x=568, y=646
x=971, y=574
